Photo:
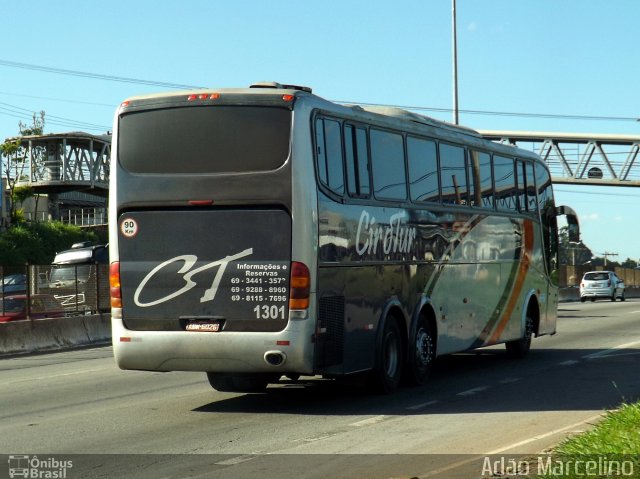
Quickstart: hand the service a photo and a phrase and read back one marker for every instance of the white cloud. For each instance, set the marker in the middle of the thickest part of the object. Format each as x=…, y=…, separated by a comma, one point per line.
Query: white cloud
x=472, y=27
x=590, y=217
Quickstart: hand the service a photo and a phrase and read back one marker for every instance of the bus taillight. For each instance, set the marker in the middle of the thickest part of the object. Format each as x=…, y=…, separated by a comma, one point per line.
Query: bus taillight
x=114, y=283
x=203, y=96
x=299, y=286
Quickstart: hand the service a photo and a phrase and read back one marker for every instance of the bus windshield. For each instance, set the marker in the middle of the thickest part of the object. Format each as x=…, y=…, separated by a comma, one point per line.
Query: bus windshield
x=208, y=139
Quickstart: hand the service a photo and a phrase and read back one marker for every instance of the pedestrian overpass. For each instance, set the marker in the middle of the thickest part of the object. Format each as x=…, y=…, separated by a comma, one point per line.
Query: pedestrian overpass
x=580, y=158
x=57, y=164
x=70, y=169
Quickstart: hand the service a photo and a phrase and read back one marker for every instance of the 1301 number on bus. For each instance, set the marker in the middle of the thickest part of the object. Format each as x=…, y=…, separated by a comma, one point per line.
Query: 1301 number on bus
x=269, y=312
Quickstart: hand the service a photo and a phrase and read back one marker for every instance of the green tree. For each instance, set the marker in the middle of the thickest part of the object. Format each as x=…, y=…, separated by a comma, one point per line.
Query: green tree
x=39, y=242
x=629, y=263
x=15, y=162
x=571, y=253
x=36, y=127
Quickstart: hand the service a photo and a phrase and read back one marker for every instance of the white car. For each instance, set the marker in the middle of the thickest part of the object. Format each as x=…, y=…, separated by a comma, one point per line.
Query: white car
x=601, y=284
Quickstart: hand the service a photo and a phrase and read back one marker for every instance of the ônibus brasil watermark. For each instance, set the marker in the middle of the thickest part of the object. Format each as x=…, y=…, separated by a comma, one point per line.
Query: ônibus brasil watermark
x=33, y=467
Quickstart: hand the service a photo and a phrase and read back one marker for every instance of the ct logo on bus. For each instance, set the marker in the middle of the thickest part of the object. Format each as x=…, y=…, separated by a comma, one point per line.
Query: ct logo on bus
x=129, y=228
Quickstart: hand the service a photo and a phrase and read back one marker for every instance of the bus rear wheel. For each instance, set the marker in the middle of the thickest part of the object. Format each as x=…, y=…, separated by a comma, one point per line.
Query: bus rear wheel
x=239, y=383
x=385, y=377
x=421, y=355
x=520, y=347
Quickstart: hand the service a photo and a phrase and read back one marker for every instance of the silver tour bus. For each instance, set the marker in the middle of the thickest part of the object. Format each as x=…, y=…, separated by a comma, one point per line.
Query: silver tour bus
x=264, y=232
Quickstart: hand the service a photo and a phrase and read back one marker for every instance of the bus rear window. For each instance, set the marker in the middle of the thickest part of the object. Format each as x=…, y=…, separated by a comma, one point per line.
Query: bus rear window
x=207, y=139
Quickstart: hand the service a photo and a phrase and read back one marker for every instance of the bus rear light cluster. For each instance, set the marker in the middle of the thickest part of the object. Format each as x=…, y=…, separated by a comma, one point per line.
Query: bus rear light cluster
x=299, y=286
x=214, y=96
x=203, y=96
x=114, y=285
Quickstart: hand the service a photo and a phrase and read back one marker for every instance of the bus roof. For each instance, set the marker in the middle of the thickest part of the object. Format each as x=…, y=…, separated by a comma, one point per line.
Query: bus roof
x=387, y=114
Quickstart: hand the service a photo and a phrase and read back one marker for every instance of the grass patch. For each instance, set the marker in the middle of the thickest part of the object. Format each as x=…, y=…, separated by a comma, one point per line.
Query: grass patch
x=617, y=433
x=610, y=449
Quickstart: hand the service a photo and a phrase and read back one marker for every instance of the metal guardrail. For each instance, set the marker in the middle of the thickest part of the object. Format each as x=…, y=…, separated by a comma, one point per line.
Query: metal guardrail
x=75, y=216
x=78, y=290
x=38, y=291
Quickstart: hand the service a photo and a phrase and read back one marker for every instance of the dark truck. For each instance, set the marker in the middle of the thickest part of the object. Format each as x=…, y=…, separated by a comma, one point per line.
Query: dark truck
x=79, y=278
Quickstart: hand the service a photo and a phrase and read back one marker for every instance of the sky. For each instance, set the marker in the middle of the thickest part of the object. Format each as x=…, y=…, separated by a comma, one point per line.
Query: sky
x=551, y=57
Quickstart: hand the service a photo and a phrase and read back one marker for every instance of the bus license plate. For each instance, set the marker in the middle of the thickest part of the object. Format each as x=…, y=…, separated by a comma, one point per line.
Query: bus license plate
x=207, y=327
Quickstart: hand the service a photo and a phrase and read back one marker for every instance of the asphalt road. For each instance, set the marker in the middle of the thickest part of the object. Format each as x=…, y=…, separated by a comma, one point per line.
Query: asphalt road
x=112, y=423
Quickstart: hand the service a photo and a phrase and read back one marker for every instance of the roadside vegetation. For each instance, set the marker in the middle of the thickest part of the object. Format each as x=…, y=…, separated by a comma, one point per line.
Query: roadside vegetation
x=30, y=243
x=37, y=243
x=610, y=449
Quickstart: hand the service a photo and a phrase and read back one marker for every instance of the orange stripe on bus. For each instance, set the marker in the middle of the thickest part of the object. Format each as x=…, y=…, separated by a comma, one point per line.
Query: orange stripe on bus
x=519, y=281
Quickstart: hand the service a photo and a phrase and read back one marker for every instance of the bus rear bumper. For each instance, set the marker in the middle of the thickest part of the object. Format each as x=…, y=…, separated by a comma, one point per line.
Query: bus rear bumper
x=287, y=351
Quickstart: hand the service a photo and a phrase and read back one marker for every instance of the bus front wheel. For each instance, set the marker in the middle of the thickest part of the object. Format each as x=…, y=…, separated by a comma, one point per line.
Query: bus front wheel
x=520, y=347
x=385, y=377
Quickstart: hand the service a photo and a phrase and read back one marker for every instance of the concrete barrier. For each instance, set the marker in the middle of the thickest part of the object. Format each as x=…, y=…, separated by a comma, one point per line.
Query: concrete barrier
x=49, y=334
x=52, y=334
x=573, y=293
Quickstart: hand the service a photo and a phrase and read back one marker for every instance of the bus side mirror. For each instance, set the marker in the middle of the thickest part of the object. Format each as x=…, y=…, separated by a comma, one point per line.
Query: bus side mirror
x=572, y=222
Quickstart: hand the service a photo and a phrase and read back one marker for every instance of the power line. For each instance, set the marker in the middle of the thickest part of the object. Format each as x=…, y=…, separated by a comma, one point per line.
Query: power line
x=97, y=76
x=9, y=107
x=502, y=113
x=65, y=100
x=26, y=114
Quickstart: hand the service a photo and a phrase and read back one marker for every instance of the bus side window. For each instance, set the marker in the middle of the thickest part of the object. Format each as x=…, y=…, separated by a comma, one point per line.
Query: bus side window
x=423, y=169
x=329, y=154
x=387, y=160
x=357, y=160
x=547, y=209
x=481, y=180
x=486, y=181
x=453, y=175
x=522, y=190
x=503, y=172
x=532, y=201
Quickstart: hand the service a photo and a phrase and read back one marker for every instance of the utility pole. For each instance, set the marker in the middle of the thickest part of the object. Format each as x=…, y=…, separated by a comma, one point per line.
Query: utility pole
x=455, y=64
x=606, y=254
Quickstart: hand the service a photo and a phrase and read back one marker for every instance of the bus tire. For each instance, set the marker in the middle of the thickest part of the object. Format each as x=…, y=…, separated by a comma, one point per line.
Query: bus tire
x=520, y=347
x=386, y=375
x=421, y=354
x=238, y=383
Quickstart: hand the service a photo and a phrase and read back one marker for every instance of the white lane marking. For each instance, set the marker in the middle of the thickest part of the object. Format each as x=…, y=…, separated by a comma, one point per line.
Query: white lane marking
x=545, y=435
x=471, y=392
x=615, y=349
x=41, y=378
x=236, y=460
x=570, y=362
x=634, y=312
x=455, y=465
x=368, y=422
x=319, y=438
x=510, y=380
x=421, y=405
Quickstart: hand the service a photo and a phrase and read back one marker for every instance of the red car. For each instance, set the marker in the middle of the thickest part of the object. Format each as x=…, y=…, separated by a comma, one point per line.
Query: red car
x=14, y=307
